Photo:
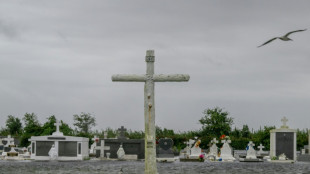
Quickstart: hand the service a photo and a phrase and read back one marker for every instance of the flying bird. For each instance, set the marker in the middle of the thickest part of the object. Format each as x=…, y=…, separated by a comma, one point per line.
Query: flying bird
x=284, y=38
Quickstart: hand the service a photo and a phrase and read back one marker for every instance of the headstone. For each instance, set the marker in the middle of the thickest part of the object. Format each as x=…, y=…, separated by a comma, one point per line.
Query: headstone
x=105, y=135
x=283, y=141
x=251, y=153
x=165, y=148
x=213, y=148
x=149, y=108
x=226, y=151
x=122, y=132
x=120, y=153
x=260, y=147
x=195, y=150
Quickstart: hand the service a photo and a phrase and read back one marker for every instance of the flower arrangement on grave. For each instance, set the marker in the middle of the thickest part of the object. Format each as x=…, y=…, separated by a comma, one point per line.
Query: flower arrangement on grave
x=197, y=143
x=224, y=137
x=201, y=158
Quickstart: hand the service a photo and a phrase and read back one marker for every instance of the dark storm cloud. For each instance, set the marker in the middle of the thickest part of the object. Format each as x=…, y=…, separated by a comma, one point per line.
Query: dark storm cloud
x=68, y=50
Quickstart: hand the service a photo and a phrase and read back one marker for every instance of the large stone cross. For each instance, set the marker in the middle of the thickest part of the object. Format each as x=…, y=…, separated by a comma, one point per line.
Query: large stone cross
x=102, y=148
x=57, y=133
x=149, y=109
x=260, y=148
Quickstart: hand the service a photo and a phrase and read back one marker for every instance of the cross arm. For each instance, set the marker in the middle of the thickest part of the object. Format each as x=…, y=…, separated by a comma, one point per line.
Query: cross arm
x=128, y=78
x=171, y=78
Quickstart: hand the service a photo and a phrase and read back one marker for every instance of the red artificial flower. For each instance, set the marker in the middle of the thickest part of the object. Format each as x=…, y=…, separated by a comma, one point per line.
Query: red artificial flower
x=222, y=137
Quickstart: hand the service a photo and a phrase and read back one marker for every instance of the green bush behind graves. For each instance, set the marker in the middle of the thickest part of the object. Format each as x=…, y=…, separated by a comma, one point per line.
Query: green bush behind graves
x=215, y=123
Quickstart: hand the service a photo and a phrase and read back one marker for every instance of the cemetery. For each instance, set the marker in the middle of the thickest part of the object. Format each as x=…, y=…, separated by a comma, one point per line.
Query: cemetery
x=149, y=151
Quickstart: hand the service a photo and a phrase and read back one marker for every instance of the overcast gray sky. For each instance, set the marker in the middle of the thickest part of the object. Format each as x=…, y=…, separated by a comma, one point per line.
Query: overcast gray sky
x=57, y=58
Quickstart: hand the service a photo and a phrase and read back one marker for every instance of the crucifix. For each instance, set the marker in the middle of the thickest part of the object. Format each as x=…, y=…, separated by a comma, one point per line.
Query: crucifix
x=149, y=109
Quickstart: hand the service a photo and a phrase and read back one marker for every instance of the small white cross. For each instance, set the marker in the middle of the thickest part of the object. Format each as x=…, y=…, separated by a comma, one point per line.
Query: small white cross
x=261, y=147
x=284, y=120
x=214, y=141
x=57, y=124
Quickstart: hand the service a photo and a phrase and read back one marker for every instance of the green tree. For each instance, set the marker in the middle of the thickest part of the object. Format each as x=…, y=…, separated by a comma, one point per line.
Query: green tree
x=245, y=131
x=14, y=125
x=32, y=128
x=216, y=122
x=49, y=127
x=84, y=122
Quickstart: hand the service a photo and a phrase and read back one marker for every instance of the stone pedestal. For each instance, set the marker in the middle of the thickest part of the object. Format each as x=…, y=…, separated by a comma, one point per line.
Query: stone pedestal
x=283, y=141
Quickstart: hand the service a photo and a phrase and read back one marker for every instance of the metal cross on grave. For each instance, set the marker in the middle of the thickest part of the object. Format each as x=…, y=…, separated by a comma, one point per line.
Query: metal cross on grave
x=284, y=120
x=149, y=109
x=122, y=131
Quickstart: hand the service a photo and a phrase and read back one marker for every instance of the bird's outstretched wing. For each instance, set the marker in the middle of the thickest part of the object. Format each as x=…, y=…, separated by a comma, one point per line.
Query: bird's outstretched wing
x=293, y=32
x=268, y=41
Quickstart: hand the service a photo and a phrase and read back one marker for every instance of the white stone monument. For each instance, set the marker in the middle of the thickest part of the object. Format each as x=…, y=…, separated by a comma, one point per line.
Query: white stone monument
x=120, y=153
x=195, y=150
x=9, y=140
x=283, y=141
x=214, y=148
x=53, y=153
x=260, y=147
x=149, y=108
x=251, y=153
x=226, y=151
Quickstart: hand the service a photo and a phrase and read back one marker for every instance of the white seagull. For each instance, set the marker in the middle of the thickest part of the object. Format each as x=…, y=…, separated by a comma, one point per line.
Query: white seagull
x=284, y=38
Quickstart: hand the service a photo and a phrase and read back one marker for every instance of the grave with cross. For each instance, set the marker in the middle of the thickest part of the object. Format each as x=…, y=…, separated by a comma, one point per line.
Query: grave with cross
x=283, y=141
x=149, y=108
x=226, y=151
x=251, y=153
x=213, y=148
x=92, y=147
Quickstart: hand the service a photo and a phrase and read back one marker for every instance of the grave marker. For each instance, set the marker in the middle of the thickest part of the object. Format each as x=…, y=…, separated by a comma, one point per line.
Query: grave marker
x=149, y=109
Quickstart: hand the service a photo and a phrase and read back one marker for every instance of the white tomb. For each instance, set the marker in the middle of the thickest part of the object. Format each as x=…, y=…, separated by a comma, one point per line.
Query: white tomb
x=283, y=141
x=251, y=153
x=226, y=151
x=67, y=147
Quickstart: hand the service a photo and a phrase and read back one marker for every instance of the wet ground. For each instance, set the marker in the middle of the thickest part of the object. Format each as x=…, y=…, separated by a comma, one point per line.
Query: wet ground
x=137, y=167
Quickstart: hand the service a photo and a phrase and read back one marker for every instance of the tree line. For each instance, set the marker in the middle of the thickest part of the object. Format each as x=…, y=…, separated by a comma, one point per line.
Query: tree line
x=214, y=124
